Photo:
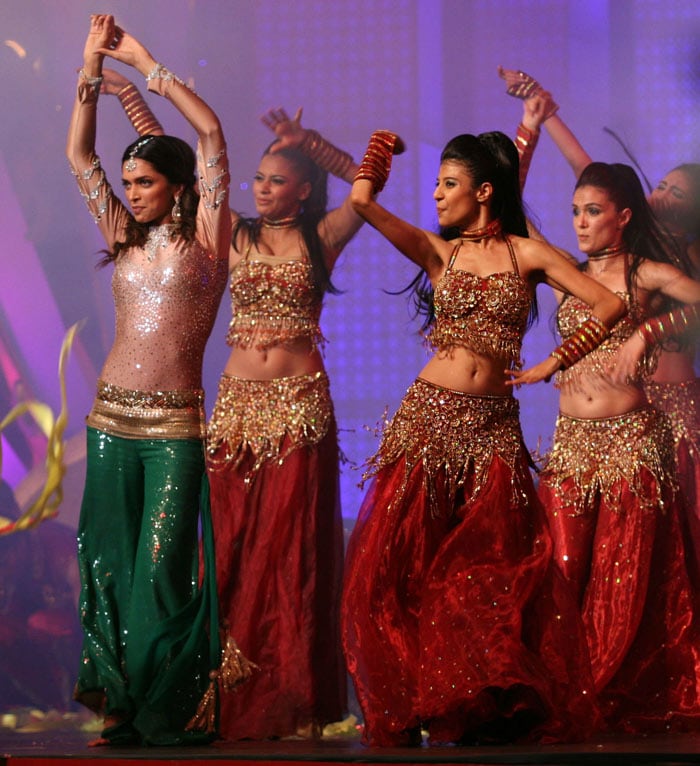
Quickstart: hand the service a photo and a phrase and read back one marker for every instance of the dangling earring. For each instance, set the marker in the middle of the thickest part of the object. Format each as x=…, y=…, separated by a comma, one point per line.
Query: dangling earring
x=177, y=210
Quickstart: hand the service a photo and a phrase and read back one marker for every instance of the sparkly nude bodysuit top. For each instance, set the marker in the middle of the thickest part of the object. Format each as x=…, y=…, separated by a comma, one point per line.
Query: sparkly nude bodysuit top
x=164, y=311
x=166, y=293
x=273, y=304
x=571, y=313
x=486, y=315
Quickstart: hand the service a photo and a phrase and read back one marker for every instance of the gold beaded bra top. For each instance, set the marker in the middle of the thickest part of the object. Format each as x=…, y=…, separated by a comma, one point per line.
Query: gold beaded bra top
x=571, y=313
x=486, y=315
x=273, y=304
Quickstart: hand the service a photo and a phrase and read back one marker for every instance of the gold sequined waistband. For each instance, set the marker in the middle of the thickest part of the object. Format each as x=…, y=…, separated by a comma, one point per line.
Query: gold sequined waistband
x=452, y=432
x=603, y=455
x=681, y=403
x=137, y=414
x=257, y=415
x=126, y=397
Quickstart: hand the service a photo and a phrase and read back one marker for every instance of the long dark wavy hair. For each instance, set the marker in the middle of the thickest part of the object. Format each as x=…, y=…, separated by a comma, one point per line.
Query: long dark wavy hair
x=314, y=209
x=489, y=157
x=173, y=158
x=644, y=237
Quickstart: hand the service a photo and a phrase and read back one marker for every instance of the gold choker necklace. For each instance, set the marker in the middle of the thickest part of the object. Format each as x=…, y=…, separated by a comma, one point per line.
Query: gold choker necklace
x=281, y=223
x=607, y=252
x=492, y=229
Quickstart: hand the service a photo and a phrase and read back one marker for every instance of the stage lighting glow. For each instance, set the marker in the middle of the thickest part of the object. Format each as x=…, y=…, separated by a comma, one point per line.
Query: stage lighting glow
x=17, y=48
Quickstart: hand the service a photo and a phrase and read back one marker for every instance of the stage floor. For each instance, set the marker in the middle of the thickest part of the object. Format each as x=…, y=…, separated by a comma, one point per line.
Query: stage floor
x=69, y=748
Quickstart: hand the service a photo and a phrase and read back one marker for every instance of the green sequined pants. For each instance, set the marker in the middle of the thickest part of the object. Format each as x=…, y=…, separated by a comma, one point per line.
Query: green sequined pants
x=147, y=647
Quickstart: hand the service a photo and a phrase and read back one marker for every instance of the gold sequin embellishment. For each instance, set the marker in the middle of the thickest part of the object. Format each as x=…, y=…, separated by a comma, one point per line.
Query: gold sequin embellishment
x=572, y=312
x=486, y=315
x=451, y=433
x=257, y=415
x=680, y=402
x=148, y=414
x=600, y=454
x=273, y=304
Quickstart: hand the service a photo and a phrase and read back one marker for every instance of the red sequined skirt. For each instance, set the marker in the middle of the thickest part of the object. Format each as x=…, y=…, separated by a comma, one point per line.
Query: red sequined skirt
x=454, y=617
x=608, y=489
x=681, y=403
x=279, y=547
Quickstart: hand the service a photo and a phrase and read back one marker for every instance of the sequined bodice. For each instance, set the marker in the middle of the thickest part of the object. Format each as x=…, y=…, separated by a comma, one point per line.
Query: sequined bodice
x=166, y=293
x=273, y=304
x=572, y=312
x=164, y=312
x=487, y=315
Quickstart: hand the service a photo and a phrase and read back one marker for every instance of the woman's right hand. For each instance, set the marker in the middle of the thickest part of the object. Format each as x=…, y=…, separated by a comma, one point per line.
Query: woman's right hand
x=519, y=84
x=288, y=130
x=538, y=108
x=102, y=34
x=122, y=46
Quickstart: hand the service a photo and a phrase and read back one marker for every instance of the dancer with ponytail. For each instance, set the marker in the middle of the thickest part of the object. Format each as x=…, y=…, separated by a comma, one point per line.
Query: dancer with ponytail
x=273, y=454
x=454, y=617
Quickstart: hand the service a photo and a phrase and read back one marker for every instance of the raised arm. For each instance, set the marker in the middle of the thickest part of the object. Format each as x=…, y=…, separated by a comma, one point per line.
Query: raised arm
x=420, y=246
x=105, y=208
x=538, y=106
x=135, y=107
x=214, y=217
x=162, y=81
x=80, y=145
x=523, y=86
x=567, y=143
x=340, y=224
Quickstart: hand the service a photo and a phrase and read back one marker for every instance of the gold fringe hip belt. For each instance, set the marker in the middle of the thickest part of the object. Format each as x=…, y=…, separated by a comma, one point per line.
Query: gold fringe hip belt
x=681, y=403
x=257, y=415
x=602, y=454
x=148, y=414
x=451, y=433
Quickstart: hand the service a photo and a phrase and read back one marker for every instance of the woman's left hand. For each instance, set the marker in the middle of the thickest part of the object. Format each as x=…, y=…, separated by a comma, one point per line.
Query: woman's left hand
x=289, y=132
x=129, y=51
x=542, y=371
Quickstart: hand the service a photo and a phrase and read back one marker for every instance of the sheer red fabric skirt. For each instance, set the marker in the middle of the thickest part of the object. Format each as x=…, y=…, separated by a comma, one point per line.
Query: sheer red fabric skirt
x=681, y=403
x=457, y=620
x=279, y=548
x=625, y=554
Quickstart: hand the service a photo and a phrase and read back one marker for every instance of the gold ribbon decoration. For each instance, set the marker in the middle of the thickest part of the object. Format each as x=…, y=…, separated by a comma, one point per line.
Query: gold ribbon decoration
x=51, y=495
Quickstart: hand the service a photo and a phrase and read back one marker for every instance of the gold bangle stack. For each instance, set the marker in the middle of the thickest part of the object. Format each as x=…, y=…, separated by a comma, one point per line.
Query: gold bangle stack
x=325, y=155
x=141, y=117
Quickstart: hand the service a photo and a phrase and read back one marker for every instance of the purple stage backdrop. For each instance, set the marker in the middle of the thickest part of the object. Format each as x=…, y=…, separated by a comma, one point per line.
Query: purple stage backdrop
x=423, y=68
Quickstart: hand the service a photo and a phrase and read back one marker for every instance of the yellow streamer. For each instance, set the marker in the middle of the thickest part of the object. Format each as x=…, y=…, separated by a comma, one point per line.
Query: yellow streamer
x=46, y=505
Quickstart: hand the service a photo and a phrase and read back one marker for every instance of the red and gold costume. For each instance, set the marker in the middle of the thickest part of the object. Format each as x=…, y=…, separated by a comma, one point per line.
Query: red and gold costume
x=608, y=487
x=681, y=404
x=454, y=617
x=273, y=468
